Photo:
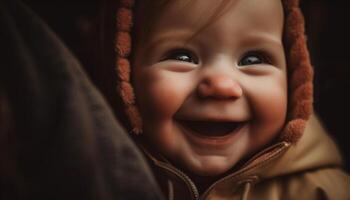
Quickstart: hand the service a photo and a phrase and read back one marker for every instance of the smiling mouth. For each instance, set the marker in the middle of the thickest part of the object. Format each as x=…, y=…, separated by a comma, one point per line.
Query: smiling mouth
x=211, y=128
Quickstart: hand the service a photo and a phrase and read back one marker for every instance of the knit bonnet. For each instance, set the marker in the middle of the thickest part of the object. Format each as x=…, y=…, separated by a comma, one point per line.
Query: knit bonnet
x=300, y=72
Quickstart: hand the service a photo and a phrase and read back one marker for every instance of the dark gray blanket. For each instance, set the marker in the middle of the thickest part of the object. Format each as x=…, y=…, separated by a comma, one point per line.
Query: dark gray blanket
x=58, y=137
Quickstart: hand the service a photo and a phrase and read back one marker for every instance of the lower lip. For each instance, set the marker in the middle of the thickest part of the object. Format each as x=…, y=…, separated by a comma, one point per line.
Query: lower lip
x=217, y=141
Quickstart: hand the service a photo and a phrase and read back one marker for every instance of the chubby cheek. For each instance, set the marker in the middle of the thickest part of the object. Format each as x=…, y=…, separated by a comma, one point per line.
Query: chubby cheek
x=272, y=105
x=268, y=100
x=159, y=93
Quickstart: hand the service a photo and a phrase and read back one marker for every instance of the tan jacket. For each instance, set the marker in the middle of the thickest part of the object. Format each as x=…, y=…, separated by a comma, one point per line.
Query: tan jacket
x=309, y=170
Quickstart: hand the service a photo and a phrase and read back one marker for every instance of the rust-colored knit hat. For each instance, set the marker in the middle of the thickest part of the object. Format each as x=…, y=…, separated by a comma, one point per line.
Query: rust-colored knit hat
x=300, y=73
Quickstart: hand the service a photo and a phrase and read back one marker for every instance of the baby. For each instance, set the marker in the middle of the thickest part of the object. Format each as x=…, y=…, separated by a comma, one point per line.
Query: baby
x=222, y=92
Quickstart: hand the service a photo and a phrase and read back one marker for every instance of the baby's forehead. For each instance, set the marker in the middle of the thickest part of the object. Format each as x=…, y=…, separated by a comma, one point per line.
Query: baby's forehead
x=200, y=15
x=243, y=18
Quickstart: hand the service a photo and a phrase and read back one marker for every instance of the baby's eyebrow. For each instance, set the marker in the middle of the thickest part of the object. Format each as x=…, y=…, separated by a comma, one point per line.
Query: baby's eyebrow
x=185, y=38
x=170, y=36
x=262, y=37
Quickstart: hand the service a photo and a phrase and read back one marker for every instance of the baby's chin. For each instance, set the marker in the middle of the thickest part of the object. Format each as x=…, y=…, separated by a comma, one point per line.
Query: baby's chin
x=209, y=165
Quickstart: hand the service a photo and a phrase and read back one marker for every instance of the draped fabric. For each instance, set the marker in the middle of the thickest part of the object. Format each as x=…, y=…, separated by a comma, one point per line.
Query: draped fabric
x=58, y=137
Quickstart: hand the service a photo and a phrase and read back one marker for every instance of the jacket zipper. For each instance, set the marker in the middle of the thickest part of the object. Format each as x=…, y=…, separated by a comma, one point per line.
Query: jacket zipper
x=192, y=187
x=283, y=146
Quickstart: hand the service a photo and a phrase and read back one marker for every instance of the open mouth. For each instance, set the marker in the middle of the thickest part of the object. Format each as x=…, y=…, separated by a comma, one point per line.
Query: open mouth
x=211, y=128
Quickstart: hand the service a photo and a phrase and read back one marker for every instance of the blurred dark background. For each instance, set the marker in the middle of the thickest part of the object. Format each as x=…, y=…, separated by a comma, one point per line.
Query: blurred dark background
x=87, y=28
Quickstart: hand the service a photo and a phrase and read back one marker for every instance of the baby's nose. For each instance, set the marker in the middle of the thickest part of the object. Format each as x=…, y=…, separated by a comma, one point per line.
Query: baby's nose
x=219, y=86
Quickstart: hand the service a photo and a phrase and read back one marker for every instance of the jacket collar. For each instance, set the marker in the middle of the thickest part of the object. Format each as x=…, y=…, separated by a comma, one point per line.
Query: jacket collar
x=314, y=150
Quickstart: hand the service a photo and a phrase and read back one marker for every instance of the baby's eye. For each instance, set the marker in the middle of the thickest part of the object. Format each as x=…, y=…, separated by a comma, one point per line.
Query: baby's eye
x=183, y=56
x=253, y=59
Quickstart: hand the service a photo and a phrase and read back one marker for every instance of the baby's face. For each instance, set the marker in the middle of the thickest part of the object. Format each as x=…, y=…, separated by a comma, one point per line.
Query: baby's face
x=212, y=96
